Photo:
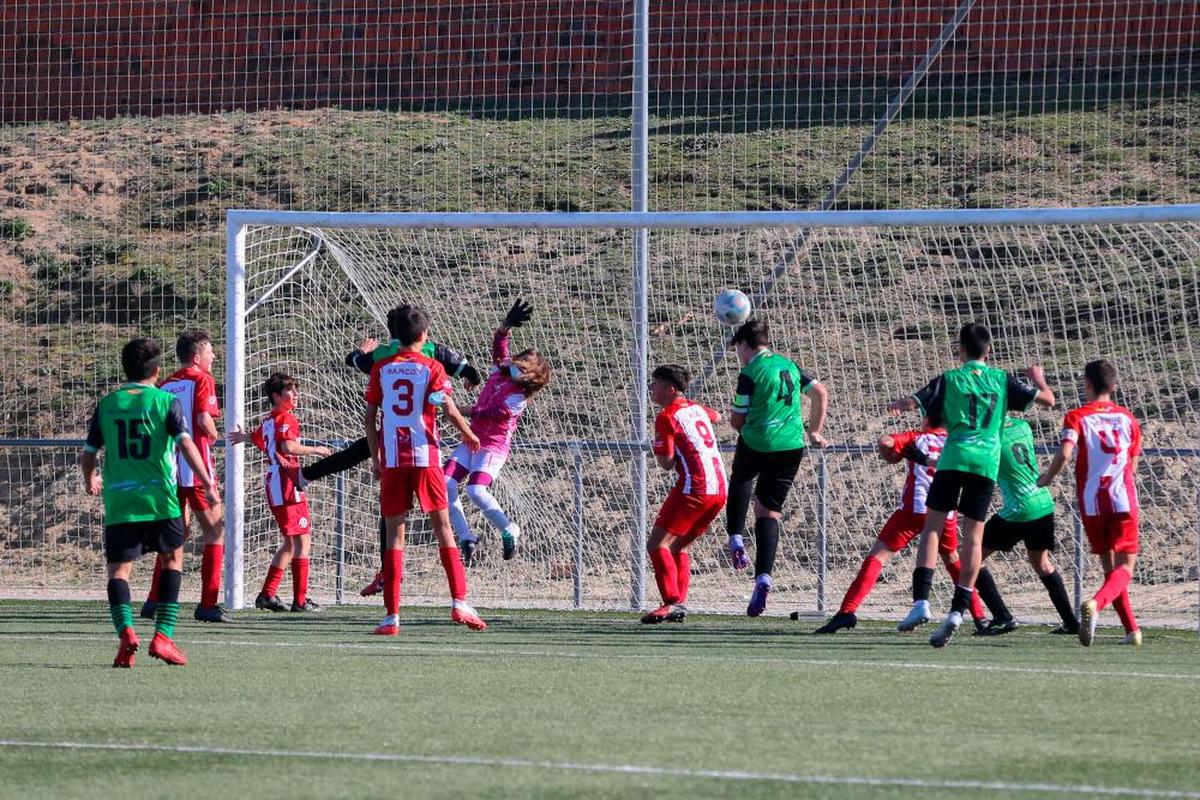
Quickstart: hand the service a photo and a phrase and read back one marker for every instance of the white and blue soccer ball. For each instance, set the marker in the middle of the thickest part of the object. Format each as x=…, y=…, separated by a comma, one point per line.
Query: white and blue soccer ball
x=732, y=307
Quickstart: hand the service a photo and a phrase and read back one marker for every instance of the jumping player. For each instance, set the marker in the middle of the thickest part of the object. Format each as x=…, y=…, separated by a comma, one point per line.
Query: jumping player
x=685, y=442
x=511, y=384
x=409, y=388
x=1106, y=441
x=140, y=426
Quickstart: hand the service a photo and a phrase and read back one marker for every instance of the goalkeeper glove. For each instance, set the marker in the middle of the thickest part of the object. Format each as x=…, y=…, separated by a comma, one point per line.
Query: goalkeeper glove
x=518, y=315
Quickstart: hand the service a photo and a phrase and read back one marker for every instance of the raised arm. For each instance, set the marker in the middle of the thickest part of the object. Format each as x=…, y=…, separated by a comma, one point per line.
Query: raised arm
x=1045, y=396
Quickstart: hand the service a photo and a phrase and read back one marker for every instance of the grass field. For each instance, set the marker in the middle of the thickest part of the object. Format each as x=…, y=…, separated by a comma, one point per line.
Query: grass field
x=588, y=705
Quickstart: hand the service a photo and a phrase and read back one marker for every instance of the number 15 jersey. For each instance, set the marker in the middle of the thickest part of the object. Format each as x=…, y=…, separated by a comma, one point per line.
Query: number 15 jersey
x=409, y=388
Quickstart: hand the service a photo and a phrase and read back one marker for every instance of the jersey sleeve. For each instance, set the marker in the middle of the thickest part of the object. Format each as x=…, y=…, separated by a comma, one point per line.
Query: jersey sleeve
x=932, y=397
x=177, y=426
x=1020, y=394
x=743, y=393
x=95, y=436
x=439, y=385
x=806, y=381
x=287, y=427
x=374, y=393
x=713, y=414
x=454, y=362
x=206, y=397
x=1072, y=427
x=258, y=440
x=360, y=361
x=664, y=436
x=1135, y=444
x=901, y=442
x=500, y=342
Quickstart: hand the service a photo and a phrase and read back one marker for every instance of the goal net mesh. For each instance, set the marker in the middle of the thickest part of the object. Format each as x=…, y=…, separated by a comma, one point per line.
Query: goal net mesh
x=870, y=312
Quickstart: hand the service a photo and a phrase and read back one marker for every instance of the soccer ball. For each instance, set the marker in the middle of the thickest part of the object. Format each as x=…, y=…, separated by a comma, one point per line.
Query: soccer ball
x=731, y=307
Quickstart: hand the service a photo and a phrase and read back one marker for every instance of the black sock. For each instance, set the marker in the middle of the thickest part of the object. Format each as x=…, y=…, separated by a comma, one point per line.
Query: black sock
x=382, y=540
x=766, y=541
x=737, y=504
x=168, y=586
x=118, y=592
x=1058, y=595
x=990, y=595
x=962, y=599
x=922, y=583
x=340, y=461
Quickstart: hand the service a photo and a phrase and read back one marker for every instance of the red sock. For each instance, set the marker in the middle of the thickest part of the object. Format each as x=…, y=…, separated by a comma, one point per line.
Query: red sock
x=664, y=574
x=683, y=575
x=271, y=584
x=153, y=595
x=862, y=585
x=1125, y=611
x=455, y=576
x=955, y=571
x=299, y=580
x=210, y=574
x=393, y=574
x=1116, y=583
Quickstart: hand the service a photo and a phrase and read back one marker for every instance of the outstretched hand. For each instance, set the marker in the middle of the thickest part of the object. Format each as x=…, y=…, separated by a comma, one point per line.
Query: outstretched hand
x=518, y=315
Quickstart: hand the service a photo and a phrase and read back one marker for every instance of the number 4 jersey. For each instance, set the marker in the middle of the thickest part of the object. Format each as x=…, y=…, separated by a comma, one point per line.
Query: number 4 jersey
x=684, y=431
x=1108, y=438
x=768, y=393
x=408, y=387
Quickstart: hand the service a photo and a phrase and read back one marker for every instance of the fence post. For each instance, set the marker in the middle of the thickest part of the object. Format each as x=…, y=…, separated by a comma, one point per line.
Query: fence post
x=822, y=529
x=1078, y=561
x=578, y=572
x=339, y=536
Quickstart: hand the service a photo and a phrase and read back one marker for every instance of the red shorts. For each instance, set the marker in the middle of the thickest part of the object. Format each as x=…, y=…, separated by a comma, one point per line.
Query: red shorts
x=293, y=518
x=904, y=526
x=397, y=485
x=193, y=497
x=1116, y=532
x=689, y=515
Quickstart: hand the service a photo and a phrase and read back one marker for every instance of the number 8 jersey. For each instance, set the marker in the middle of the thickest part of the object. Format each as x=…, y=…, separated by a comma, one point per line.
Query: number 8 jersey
x=408, y=388
x=684, y=430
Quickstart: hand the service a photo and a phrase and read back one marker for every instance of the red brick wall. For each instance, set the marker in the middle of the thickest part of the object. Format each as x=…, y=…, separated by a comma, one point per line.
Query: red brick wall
x=82, y=58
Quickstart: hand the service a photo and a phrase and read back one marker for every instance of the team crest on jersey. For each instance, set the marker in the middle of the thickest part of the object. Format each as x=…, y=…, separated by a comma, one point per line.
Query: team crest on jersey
x=303, y=523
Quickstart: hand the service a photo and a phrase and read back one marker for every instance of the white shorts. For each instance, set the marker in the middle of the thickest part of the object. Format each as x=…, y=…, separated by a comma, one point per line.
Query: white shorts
x=480, y=467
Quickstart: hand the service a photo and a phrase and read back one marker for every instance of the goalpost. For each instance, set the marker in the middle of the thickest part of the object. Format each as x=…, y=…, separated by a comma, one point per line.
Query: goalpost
x=866, y=301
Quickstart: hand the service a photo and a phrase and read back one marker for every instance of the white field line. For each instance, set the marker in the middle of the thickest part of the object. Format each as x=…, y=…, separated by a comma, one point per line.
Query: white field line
x=624, y=769
x=495, y=652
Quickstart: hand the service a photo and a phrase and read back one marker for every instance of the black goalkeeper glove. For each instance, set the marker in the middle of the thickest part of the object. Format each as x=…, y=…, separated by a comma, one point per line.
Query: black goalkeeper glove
x=518, y=315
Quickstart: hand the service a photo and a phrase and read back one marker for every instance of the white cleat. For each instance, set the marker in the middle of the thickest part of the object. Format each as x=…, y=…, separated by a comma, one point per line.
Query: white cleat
x=918, y=615
x=1089, y=617
x=945, y=632
x=1133, y=639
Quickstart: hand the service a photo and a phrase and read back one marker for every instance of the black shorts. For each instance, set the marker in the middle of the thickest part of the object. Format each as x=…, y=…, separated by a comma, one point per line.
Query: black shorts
x=128, y=541
x=774, y=471
x=1001, y=534
x=967, y=492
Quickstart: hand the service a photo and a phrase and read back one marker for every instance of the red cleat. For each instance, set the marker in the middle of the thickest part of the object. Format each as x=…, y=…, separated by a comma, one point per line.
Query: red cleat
x=463, y=614
x=389, y=627
x=374, y=587
x=658, y=615
x=166, y=650
x=127, y=649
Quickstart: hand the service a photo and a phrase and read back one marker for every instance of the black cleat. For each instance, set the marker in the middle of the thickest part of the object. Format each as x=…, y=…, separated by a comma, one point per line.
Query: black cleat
x=678, y=615
x=148, y=609
x=269, y=603
x=839, y=621
x=1066, y=630
x=467, y=549
x=212, y=614
x=310, y=606
x=998, y=627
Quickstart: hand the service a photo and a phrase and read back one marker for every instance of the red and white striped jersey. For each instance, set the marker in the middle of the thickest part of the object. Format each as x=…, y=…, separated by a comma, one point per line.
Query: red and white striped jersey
x=280, y=481
x=197, y=394
x=917, y=477
x=1107, y=438
x=409, y=388
x=683, y=431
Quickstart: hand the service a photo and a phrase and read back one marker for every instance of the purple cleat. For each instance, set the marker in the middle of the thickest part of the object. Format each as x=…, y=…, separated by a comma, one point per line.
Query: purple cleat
x=737, y=553
x=758, y=600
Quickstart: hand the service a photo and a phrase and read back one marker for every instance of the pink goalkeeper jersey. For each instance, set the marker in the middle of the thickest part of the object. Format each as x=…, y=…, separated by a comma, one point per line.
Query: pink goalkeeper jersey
x=1107, y=439
x=501, y=403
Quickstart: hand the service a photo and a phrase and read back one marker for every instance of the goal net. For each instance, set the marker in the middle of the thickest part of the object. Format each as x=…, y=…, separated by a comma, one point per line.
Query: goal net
x=867, y=302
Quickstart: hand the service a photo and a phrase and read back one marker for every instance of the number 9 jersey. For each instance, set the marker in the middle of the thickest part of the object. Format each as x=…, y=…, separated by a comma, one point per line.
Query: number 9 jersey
x=684, y=431
x=408, y=387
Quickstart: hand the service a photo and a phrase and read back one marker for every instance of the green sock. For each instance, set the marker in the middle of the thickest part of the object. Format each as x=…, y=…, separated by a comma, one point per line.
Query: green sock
x=165, y=617
x=122, y=616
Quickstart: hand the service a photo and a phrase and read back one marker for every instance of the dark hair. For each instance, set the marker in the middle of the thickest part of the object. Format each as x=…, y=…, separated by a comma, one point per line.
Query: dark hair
x=754, y=333
x=975, y=339
x=673, y=374
x=1101, y=374
x=278, y=382
x=406, y=323
x=139, y=358
x=188, y=343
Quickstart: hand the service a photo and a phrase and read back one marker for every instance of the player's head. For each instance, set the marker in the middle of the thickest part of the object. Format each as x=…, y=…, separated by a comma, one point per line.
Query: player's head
x=140, y=359
x=751, y=337
x=195, y=347
x=281, y=390
x=974, y=342
x=408, y=324
x=1099, y=378
x=668, y=382
x=530, y=370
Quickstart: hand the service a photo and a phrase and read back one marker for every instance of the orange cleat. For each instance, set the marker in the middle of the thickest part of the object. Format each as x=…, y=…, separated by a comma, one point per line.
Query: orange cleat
x=374, y=587
x=389, y=627
x=462, y=614
x=166, y=650
x=127, y=649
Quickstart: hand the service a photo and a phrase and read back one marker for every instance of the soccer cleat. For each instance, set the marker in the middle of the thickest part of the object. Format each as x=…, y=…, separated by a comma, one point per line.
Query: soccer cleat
x=1133, y=639
x=658, y=615
x=466, y=547
x=309, y=606
x=839, y=621
x=389, y=627
x=462, y=614
x=128, y=648
x=942, y=635
x=148, y=609
x=269, y=603
x=998, y=627
x=1066, y=630
x=679, y=614
x=758, y=599
x=212, y=614
x=509, y=540
x=1089, y=617
x=162, y=648
x=980, y=626
x=374, y=587
x=737, y=553
x=917, y=615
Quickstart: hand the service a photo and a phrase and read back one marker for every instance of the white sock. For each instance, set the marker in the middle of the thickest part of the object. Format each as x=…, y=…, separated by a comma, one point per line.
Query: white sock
x=458, y=519
x=482, y=497
x=391, y=619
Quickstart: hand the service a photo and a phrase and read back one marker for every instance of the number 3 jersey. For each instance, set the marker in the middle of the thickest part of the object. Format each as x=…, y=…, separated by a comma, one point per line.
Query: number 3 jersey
x=138, y=426
x=1107, y=438
x=408, y=388
x=684, y=431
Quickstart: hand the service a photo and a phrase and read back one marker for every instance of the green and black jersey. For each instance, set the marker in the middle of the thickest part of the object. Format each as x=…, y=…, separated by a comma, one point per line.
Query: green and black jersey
x=768, y=393
x=1023, y=499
